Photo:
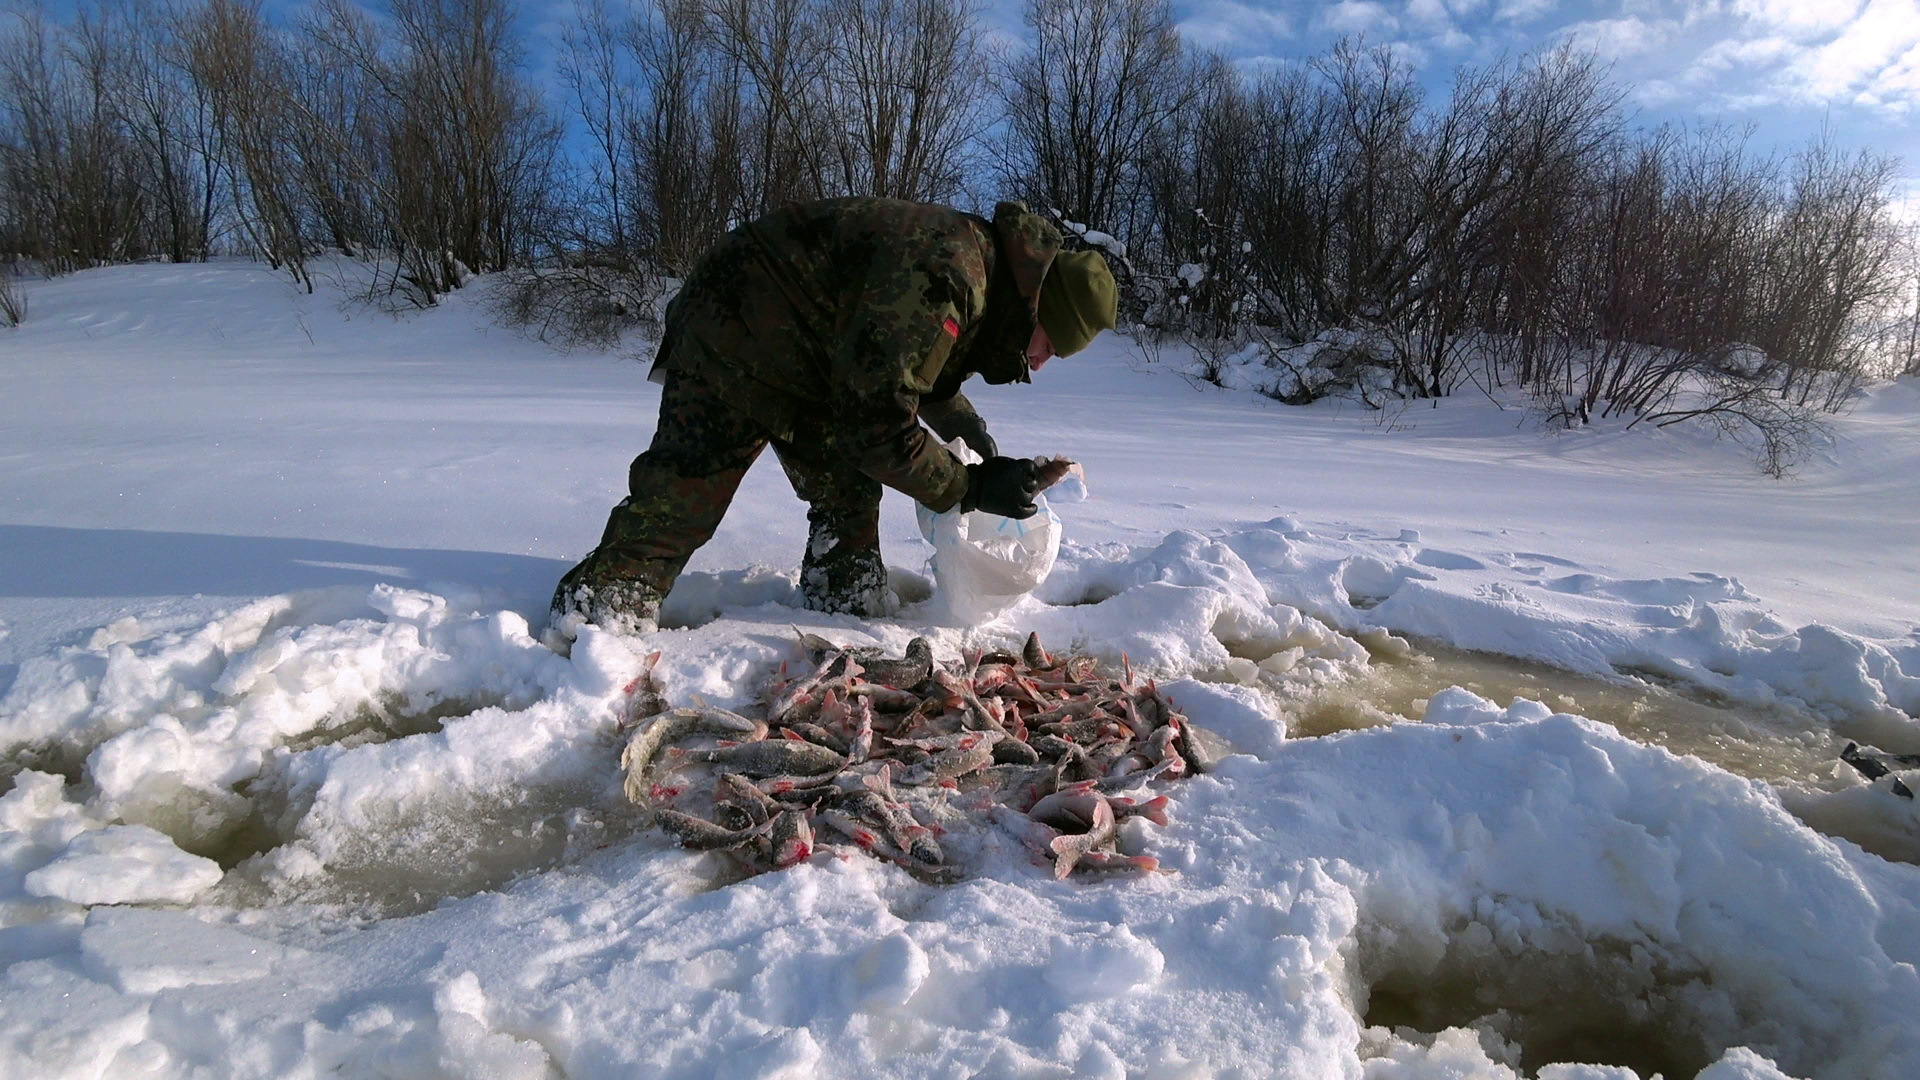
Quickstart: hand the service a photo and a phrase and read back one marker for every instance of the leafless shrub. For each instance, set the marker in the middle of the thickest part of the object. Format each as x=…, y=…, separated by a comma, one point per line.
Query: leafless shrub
x=13, y=300
x=575, y=306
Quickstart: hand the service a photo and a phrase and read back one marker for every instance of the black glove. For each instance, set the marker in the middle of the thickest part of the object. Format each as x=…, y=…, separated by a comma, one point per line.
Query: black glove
x=955, y=418
x=1004, y=486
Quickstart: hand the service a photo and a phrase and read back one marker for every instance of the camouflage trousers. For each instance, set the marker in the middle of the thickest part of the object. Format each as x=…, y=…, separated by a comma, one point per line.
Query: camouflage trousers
x=677, y=492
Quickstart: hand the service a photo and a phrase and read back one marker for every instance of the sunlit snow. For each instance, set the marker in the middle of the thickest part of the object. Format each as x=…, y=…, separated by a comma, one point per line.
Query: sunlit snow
x=292, y=789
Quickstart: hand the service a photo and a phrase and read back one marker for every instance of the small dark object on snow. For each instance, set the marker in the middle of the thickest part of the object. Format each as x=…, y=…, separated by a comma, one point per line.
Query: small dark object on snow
x=1874, y=766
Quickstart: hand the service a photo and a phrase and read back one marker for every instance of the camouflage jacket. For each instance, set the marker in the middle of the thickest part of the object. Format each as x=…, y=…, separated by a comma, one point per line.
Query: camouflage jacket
x=829, y=322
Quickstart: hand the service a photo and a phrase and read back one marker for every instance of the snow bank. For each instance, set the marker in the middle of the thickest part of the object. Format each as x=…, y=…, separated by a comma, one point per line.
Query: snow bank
x=1458, y=897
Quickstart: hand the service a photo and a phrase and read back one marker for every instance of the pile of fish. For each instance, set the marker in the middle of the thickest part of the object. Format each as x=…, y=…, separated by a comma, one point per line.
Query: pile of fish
x=885, y=754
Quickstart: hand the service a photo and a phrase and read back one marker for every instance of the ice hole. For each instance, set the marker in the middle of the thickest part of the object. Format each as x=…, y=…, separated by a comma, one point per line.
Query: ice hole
x=61, y=759
x=1774, y=743
x=1094, y=592
x=392, y=716
x=1792, y=749
x=410, y=859
x=1599, y=1003
x=234, y=824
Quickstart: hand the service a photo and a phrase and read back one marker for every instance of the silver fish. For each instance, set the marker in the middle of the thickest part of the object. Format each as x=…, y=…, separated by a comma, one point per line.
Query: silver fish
x=911, y=669
x=948, y=765
x=791, y=837
x=1109, y=862
x=670, y=727
x=1033, y=655
x=699, y=834
x=769, y=757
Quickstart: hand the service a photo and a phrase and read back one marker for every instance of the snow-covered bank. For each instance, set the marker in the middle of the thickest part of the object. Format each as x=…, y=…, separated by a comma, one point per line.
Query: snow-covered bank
x=252, y=832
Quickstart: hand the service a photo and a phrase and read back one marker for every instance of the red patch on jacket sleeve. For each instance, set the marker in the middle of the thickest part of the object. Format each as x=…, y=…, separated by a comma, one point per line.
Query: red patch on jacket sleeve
x=952, y=328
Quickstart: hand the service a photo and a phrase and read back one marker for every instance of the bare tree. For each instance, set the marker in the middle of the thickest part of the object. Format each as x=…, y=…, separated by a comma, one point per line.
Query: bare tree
x=1084, y=99
x=690, y=156
x=903, y=94
x=232, y=53
x=66, y=164
x=778, y=50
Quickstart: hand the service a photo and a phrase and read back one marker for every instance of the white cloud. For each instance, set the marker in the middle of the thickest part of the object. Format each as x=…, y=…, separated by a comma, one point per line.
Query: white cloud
x=1358, y=17
x=1734, y=55
x=1224, y=23
x=1807, y=18
x=1615, y=38
x=1656, y=92
x=1896, y=88
x=1430, y=12
x=1521, y=11
x=1851, y=62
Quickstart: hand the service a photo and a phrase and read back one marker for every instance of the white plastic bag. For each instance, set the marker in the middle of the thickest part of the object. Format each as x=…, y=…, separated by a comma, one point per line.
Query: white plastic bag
x=983, y=563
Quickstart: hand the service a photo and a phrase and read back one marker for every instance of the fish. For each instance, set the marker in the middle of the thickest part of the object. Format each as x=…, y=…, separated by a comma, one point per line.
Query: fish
x=699, y=834
x=958, y=740
x=1068, y=850
x=791, y=837
x=897, y=822
x=949, y=765
x=768, y=758
x=816, y=734
x=861, y=744
x=885, y=698
x=977, y=715
x=732, y=789
x=913, y=668
x=644, y=695
x=779, y=785
x=1072, y=808
x=1033, y=655
x=670, y=727
x=1050, y=471
x=1014, y=752
x=1037, y=836
x=1193, y=751
x=1108, y=862
x=838, y=669
x=1041, y=744
x=815, y=647
x=1154, y=809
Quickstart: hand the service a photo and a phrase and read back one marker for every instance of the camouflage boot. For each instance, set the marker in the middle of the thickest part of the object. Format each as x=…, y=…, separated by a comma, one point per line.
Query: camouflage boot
x=840, y=578
x=677, y=492
x=841, y=571
x=590, y=594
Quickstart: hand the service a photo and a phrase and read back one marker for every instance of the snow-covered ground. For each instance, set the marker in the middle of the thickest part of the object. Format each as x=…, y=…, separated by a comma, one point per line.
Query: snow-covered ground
x=292, y=789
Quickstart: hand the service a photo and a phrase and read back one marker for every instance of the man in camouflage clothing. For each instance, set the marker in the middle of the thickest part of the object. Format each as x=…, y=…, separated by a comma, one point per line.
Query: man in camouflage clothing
x=830, y=330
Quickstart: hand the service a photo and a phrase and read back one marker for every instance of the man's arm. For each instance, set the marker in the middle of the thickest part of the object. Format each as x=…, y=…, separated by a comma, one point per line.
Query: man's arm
x=955, y=418
x=903, y=320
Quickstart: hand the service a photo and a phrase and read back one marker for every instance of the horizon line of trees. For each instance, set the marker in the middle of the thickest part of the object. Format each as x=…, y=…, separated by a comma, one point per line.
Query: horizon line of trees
x=1517, y=231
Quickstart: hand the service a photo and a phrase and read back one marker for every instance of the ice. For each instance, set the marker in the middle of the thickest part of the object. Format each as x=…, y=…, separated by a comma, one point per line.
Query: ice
x=292, y=789
x=123, y=864
x=144, y=951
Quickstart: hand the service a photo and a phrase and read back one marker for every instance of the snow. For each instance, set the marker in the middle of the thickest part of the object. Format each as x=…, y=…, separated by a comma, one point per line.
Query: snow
x=294, y=790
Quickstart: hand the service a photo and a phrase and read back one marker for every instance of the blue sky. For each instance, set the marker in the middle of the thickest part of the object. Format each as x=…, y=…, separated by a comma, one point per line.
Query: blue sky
x=1785, y=66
